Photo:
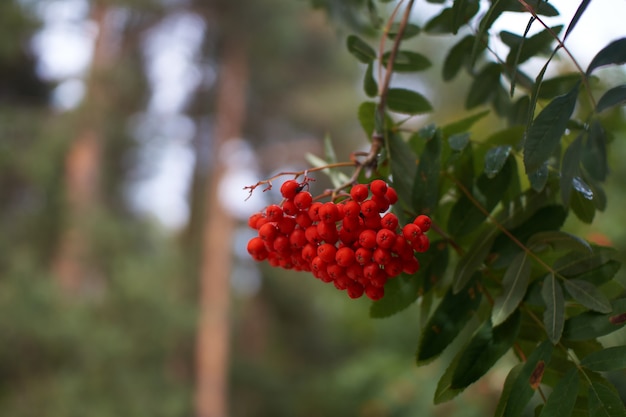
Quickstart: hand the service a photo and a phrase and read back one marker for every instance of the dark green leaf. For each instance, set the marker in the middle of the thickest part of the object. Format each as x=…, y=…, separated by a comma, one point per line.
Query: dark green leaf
x=530, y=47
x=403, y=167
x=367, y=112
x=472, y=260
x=514, y=285
x=495, y=159
x=459, y=141
x=609, y=359
x=400, y=293
x=484, y=86
x=425, y=191
x=616, y=96
x=451, y=315
x=558, y=85
x=544, y=9
x=574, y=264
x=582, y=206
x=554, y=316
x=604, y=402
x=594, y=157
x=590, y=325
x=410, y=30
x=612, y=54
x=559, y=240
x=570, y=168
x=444, y=391
x=579, y=12
x=507, y=389
x=406, y=101
x=457, y=57
x=450, y=19
x=601, y=274
x=462, y=126
x=545, y=132
x=484, y=349
x=370, y=86
x=525, y=384
x=563, y=398
x=588, y=295
x=361, y=49
x=407, y=61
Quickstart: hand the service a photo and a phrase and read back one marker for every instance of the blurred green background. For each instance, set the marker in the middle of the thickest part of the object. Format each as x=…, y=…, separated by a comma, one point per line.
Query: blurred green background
x=122, y=163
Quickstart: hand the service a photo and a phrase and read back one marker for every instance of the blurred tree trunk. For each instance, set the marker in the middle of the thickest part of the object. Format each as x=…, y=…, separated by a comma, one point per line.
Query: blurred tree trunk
x=83, y=164
x=212, y=353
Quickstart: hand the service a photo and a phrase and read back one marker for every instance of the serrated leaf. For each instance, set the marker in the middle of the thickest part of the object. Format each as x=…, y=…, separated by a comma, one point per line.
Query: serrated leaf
x=483, y=86
x=360, y=49
x=588, y=295
x=472, y=260
x=616, y=96
x=410, y=30
x=407, y=61
x=608, y=359
x=407, y=101
x=366, y=115
x=403, y=167
x=554, y=316
x=451, y=315
x=570, y=168
x=604, y=402
x=560, y=240
x=444, y=391
x=425, y=191
x=526, y=382
x=612, y=54
x=485, y=348
x=495, y=159
x=563, y=398
x=546, y=130
x=589, y=325
x=514, y=286
x=460, y=127
x=370, y=86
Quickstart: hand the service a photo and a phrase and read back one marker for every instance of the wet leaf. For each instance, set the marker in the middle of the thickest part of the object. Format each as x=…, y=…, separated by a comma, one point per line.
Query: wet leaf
x=495, y=159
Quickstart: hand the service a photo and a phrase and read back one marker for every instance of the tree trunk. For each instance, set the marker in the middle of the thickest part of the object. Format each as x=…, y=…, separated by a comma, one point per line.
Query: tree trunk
x=212, y=350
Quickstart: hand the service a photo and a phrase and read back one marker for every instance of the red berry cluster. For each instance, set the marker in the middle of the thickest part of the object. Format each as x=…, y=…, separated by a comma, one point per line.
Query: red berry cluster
x=356, y=243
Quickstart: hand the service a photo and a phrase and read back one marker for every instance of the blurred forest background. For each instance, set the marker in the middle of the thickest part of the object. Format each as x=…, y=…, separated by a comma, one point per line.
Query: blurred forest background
x=125, y=289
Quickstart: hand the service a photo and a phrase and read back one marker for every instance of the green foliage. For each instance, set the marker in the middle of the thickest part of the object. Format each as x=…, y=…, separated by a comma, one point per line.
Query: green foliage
x=498, y=200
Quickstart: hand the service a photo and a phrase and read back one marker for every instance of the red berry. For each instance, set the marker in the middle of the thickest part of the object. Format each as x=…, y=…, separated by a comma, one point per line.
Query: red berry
x=354, y=290
x=314, y=211
x=281, y=244
x=381, y=203
x=421, y=244
x=374, y=293
x=303, y=220
x=268, y=232
x=303, y=200
x=274, y=213
x=394, y=267
x=345, y=257
x=372, y=222
x=423, y=222
x=328, y=232
x=354, y=271
x=410, y=266
x=317, y=264
x=286, y=225
x=289, y=189
x=389, y=221
x=329, y=213
x=369, y=208
x=297, y=239
x=359, y=192
x=411, y=232
x=327, y=252
x=256, y=248
x=290, y=208
x=378, y=187
x=351, y=210
x=336, y=272
x=367, y=239
x=312, y=236
x=385, y=238
x=392, y=195
x=253, y=219
x=381, y=256
x=363, y=255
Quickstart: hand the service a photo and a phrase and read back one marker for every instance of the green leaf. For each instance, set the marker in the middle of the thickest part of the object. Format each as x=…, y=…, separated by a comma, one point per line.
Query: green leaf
x=403, y=167
x=451, y=315
x=588, y=295
x=361, y=49
x=514, y=285
x=366, y=115
x=472, y=260
x=594, y=157
x=563, y=398
x=410, y=30
x=483, y=86
x=570, y=168
x=425, y=191
x=400, y=293
x=608, y=359
x=616, y=96
x=539, y=178
x=582, y=206
x=451, y=19
x=462, y=126
x=558, y=85
x=457, y=56
x=530, y=47
x=459, y=141
x=370, y=86
x=507, y=389
x=554, y=316
x=444, y=391
x=612, y=54
x=484, y=349
x=589, y=325
x=545, y=132
x=579, y=12
x=601, y=274
x=544, y=9
x=407, y=102
x=560, y=240
x=495, y=159
x=604, y=402
x=462, y=12
x=407, y=61
x=527, y=381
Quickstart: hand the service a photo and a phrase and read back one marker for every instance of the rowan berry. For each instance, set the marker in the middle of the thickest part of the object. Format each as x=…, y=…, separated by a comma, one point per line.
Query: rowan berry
x=359, y=192
x=318, y=264
x=370, y=270
x=303, y=200
x=372, y=222
x=345, y=256
x=369, y=208
x=421, y=243
x=379, y=279
x=314, y=211
x=348, y=237
x=290, y=208
x=378, y=188
x=286, y=225
x=273, y=213
x=281, y=244
x=381, y=203
x=309, y=251
x=392, y=195
x=268, y=232
x=253, y=219
x=327, y=252
x=351, y=210
x=354, y=271
x=411, y=231
x=381, y=256
x=297, y=239
x=329, y=213
x=256, y=248
x=289, y=189
x=328, y=232
x=423, y=222
x=385, y=238
x=341, y=282
x=367, y=239
x=374, y=293
x=394, y=267
x=354, y=290
x=410, y=266
x=336, y=272
x=389, y=221
x=363, y=255
x=303, y=220
x=312, y=236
